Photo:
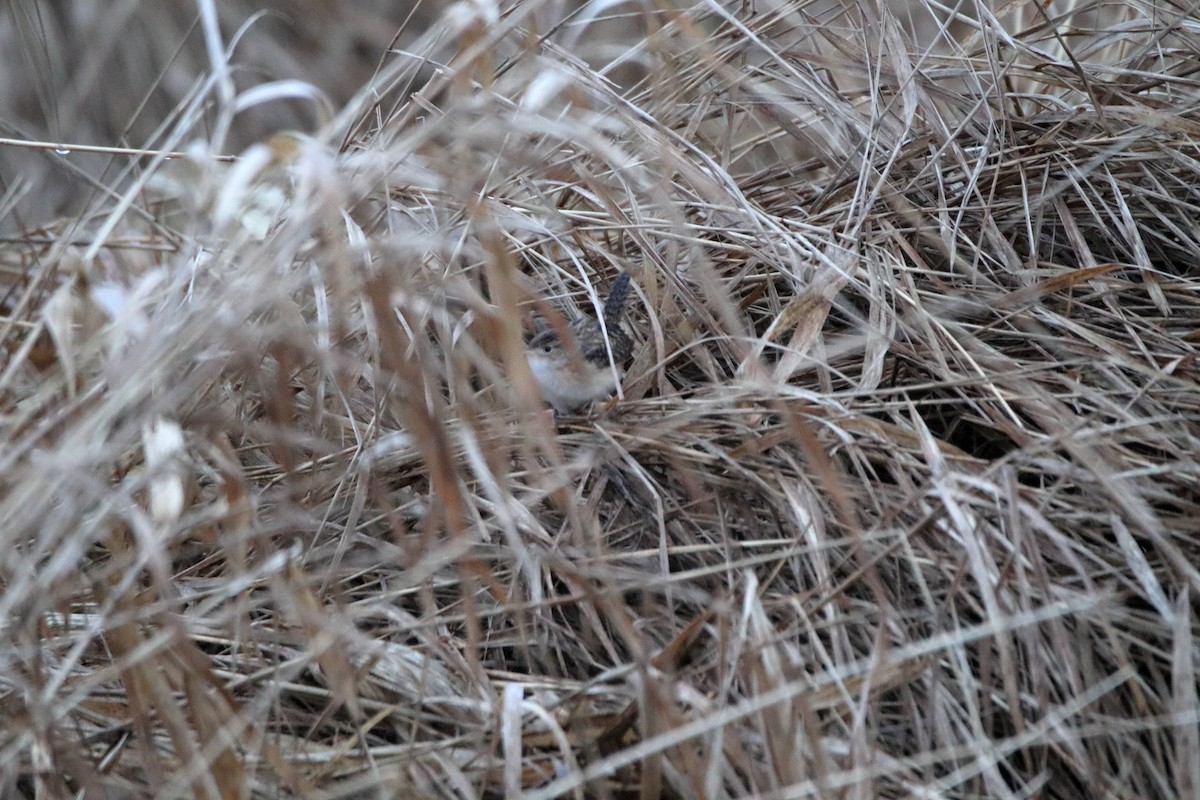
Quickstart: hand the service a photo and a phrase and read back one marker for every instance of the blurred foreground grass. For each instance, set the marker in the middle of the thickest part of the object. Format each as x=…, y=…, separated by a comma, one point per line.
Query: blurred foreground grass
x=899, y=499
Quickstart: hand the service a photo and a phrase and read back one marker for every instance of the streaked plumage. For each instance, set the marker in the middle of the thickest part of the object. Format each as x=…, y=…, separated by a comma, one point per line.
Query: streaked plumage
x=570, y=378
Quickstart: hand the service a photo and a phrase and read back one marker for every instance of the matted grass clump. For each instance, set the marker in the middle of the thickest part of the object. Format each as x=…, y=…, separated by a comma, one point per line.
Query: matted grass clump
x=901, y=496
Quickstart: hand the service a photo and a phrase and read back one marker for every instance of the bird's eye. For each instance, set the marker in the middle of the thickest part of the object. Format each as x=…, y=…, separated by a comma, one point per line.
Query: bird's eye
x=547, y=348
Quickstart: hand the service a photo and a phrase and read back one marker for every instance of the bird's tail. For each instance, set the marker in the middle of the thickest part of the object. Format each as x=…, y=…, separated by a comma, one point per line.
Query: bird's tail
x=614, y=306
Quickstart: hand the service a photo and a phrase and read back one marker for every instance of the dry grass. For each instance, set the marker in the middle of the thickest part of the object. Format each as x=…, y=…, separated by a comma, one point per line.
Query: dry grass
x=901, y=498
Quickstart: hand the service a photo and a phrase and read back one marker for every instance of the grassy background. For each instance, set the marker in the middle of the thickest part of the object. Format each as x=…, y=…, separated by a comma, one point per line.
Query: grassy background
x=900, y=497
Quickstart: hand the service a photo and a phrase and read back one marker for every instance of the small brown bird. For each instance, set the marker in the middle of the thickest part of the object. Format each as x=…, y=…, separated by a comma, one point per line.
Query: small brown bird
x=575, y=373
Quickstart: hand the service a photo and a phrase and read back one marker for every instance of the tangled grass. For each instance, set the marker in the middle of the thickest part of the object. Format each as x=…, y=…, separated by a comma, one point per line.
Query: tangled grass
x=900, y=497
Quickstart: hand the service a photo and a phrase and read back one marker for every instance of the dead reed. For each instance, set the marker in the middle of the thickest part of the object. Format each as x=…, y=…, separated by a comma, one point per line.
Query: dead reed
x=901, y=499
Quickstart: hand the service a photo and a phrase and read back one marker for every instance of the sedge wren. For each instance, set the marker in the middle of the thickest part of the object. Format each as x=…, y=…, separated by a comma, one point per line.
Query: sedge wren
x=588, y=366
